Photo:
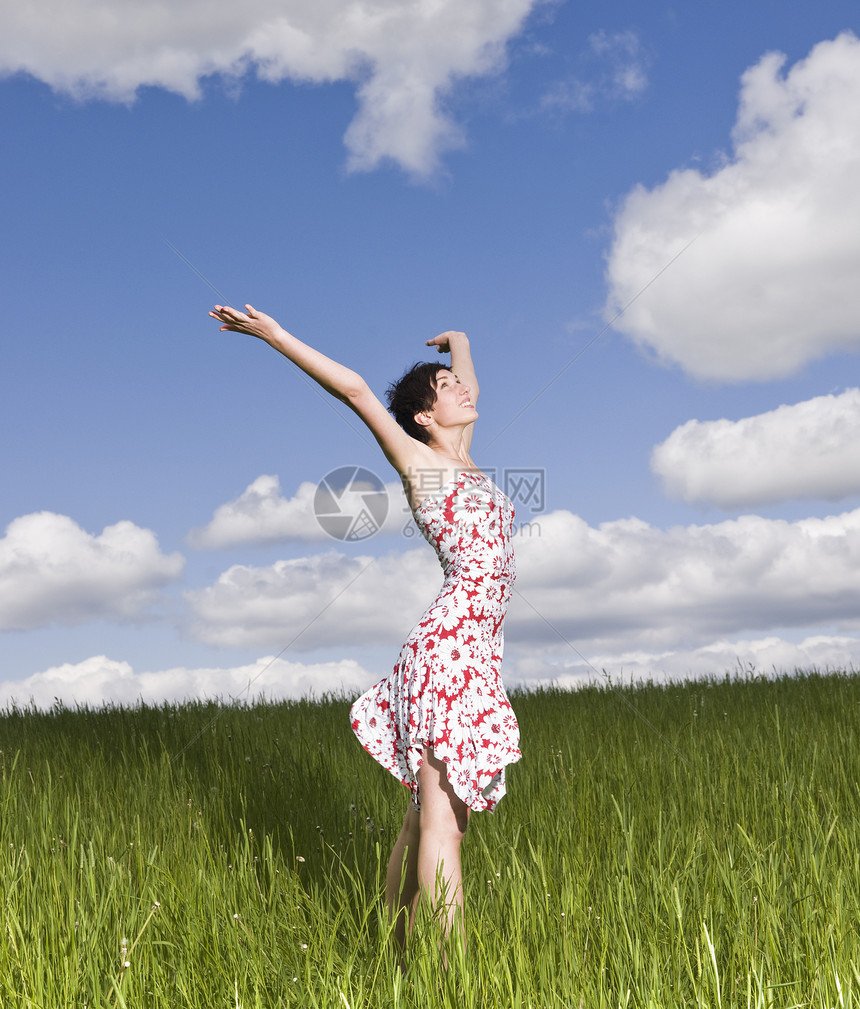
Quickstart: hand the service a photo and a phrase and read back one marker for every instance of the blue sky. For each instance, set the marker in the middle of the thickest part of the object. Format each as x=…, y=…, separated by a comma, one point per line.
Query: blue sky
x=373, y=175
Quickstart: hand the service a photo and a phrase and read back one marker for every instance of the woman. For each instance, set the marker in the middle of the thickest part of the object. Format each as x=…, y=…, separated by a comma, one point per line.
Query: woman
x=441, y=721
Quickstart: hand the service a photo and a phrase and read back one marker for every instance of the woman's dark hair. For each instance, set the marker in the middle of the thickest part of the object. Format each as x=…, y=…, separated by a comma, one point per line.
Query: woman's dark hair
x=414, y=393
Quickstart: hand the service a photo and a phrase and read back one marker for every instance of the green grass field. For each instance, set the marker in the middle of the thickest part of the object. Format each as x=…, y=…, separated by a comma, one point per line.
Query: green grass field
x=685, y=845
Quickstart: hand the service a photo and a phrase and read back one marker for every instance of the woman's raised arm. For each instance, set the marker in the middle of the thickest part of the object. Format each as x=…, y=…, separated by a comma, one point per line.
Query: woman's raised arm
x=461, y=358
x=342, y=382
x=461, y=365
x=335, y=378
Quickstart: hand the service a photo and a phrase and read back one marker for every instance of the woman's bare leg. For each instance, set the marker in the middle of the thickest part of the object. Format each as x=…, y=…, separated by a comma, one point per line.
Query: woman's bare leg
x=401, y=881
x=443, y=821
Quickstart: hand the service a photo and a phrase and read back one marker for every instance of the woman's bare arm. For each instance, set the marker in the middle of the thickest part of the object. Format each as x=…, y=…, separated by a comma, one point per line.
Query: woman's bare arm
x=461, y=358
x=461, y=365
x=335, y=378
x=342, y=382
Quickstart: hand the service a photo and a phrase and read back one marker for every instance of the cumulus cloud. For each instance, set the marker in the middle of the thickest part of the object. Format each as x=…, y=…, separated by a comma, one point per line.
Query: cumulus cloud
x=624, y=597
x=402, y=57
x=626, y=77
x=622, y=75
x=627, y=585
x=808, y=450
x=621, y=586
x=100, y=680
x=53, y=572
x=313, y=602
x=761, y=656
x=261, y=514
x=769, y=282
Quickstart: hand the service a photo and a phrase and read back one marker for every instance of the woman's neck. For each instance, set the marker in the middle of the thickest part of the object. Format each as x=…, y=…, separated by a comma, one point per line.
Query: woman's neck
x=463, y=458
x=452, y=449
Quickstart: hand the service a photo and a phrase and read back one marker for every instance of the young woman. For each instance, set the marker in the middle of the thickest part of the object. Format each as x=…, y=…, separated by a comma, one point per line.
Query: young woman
x=441, y=721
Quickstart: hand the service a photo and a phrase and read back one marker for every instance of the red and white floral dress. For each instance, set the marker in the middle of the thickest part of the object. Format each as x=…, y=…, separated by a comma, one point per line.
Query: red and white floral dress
x=446, y=691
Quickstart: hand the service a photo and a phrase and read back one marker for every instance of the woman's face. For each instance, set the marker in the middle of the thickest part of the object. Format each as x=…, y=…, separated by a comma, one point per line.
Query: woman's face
x=453, y=404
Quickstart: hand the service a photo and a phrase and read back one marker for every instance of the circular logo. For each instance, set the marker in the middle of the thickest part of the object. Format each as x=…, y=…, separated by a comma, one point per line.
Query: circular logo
x=350, y=503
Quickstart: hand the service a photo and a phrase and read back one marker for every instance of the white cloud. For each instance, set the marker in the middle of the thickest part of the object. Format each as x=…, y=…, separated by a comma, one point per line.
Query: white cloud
x=624, y=597
x=403, y=56
x=761, y=656
x=99, y=680
x=627, y=585
x=313, y=602
x=771, y=280
x=622, y=75
x=622, y=586
x=262, y=515
x=626, y=77
x=53, y=572
x=808, y=450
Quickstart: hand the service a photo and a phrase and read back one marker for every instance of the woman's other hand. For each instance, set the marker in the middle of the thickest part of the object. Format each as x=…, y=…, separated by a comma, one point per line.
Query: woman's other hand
x=444, y=340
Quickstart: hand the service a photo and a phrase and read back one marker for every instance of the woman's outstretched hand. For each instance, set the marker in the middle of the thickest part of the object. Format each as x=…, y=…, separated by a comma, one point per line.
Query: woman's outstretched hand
x=443, y=341
x=250, y=321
